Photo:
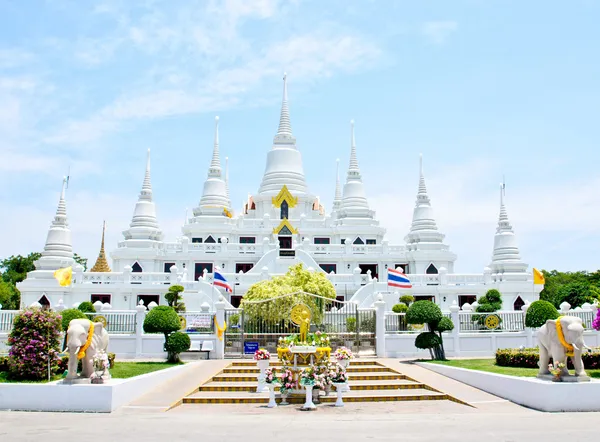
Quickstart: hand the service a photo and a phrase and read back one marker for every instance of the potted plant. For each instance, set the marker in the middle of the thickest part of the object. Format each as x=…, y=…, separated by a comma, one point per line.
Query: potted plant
x=339, y=379
x=343, y=355
x=262, y=357
x=100, y=364
x=308, y=379
x=287, y=384
x=271, y=380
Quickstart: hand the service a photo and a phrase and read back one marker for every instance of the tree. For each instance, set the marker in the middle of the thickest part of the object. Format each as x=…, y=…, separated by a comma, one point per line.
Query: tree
x=86, y=307
x=164, y=319
x=80, y=260
x=297, y=279
x=9, y=296
x=576, y=294
x=172, y=297
x=427, y=312
x=16, y=267
x=177, y=342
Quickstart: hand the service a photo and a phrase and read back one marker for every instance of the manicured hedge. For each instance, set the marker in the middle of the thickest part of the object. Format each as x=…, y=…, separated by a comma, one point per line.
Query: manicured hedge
x=529, y=357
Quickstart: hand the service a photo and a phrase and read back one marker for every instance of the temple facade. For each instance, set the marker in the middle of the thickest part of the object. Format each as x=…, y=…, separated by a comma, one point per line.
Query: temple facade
x=281, y=224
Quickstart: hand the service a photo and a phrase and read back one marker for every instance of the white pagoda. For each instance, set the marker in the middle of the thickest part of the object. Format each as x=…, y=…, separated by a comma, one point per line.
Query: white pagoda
x=282, y=224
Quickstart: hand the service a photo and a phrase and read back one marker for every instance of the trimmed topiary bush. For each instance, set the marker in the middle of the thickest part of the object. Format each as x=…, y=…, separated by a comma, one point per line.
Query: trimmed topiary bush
x=400, y=308
x=445, y=325
x=539, y=312
x=162, y=319
x=407, y=299
x=176, y=343
x=68, y=315
x=86, y=307
x=427, y=312
x=173, y=297
x=34, y=341
x=428, y=340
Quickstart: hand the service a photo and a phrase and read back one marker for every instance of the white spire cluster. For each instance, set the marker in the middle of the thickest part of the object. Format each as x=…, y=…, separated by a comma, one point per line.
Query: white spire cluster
x=506, y=257
x=354, y=201
x=215, y=195
x=144, y=225
x=58, y=250
x=337, y=199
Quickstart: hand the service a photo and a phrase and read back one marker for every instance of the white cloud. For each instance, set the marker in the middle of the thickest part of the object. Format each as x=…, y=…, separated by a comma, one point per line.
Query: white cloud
x=438, y=31
x=14, y=57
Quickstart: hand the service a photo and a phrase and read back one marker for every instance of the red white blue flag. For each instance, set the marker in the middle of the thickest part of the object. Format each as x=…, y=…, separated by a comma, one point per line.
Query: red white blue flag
x=396, y=278
x=220, y=281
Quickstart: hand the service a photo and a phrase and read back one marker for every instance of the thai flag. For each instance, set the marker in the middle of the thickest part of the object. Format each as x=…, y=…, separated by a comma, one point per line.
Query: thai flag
x=220, y=281
x=396, y=278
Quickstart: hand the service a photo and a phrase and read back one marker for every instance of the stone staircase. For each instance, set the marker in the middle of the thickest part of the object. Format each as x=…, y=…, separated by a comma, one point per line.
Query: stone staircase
x=369, y=380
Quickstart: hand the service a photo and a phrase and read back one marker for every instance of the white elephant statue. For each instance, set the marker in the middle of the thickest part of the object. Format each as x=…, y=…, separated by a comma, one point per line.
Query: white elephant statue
x=84, y=339
x=569, y=330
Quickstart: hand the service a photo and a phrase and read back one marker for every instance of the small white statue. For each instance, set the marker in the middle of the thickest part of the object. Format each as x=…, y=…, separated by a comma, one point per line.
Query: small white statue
x=84, y=339
x=559, y=339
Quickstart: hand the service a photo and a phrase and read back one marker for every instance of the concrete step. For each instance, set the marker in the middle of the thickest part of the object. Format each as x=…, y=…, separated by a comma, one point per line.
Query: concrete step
x=401, y=384
x=277, y=363
x=369, y=376
x=235, y=397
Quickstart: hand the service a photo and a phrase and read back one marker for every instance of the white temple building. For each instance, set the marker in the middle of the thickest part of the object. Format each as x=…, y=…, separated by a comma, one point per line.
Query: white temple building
x=283, y=223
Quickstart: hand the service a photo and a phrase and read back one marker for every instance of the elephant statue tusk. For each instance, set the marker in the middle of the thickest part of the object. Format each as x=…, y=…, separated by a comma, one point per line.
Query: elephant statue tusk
x=575, y=347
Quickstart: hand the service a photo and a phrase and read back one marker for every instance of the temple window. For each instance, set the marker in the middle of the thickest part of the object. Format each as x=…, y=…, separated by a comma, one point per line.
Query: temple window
x=519, y=303
x=358, y=240
x=343, y=241
x=247, y=240
x=243, y=266
x=322, y=241
x=371, y=242
x=167, y=266
x=328, y=268
x=103, y=298
x=148, y=299
x=210, y=240
x=199, y=269
x=136, y=267
x=466, y=299
x=431, y=270
x=197, y=240
x=284, y=212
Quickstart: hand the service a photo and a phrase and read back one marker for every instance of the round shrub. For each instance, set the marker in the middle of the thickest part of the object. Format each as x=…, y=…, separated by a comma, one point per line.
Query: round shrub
x=69, y=314
x=176, y=343
x=86, y=307
x=34, y=342
x=493, y=296
x=428, y=340
x=423, y=312
x=162, y=319
x=407, y=299
x=539, y=312
x=444, y=325
x=400, y=308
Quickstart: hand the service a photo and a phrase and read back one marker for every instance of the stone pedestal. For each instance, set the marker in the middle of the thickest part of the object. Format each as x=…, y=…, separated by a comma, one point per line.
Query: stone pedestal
x=570, y=378
x=76, y=381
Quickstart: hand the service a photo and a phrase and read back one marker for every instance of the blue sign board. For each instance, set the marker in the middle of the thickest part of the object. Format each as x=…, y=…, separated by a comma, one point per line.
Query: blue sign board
x=250, y=347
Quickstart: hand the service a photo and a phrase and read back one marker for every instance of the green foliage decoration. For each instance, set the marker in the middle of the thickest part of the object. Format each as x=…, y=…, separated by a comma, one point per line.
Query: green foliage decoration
x=445, y=325
x=428, y=340
x=490, y=302
x=69, y=314
x=407, y=299
x=539, y=312
x=400, y=308
x=297, y=279
x=86, y=307
x=424, y=312
x=576, y=294
x=173, y=297
x=176, y=343
x=427, y=312
x=162, y=319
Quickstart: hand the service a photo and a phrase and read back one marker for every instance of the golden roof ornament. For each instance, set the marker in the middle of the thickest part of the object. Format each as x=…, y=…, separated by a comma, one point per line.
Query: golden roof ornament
x=101, y=262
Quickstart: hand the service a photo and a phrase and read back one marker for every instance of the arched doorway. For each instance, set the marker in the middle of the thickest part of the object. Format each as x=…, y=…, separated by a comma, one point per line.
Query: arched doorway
x=519, y=303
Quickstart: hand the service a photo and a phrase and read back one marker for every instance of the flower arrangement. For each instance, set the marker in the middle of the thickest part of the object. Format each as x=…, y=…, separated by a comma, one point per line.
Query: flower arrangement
x=314, y=376
x=343, y=353
x=271, y=376
x=100, y=363
x=262, y=354
x=317, y=339
x=556, y=371
x=338, y=375
x=325, y=372
x=596, y=322
x=287, y=380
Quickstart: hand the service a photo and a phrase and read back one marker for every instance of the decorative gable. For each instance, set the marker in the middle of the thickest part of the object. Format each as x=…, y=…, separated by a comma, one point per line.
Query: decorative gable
x=285, y=228
x=284, y=195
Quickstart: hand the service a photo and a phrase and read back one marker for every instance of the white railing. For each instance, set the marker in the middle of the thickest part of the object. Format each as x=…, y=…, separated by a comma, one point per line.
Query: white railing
x=510, y=321
x=6, y=320
x=587, y=316
x=117, y=321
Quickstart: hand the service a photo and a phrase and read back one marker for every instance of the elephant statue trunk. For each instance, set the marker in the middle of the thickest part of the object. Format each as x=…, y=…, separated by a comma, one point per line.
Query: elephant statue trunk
x=559, y=339
x=84, y=339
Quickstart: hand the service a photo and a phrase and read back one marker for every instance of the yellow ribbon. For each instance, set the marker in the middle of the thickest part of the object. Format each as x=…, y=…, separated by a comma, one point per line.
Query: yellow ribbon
x=88, y=342
x=561, y=338
x=220, y=331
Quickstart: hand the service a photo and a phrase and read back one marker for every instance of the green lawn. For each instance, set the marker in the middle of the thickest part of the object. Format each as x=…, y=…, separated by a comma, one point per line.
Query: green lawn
x=490, y=366
x=122, y=370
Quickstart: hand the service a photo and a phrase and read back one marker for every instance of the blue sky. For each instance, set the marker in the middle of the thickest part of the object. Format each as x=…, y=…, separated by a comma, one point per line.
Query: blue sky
x=483, y=88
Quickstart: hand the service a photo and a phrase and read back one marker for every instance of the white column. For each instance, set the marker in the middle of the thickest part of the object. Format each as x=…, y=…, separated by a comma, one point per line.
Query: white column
x=454, y=315
x=528, y=331
x=380, y=326
x=220, y=315
x=140, y=315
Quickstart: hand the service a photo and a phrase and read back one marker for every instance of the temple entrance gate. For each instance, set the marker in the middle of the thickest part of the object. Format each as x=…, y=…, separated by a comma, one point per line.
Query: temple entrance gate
x=344, y=323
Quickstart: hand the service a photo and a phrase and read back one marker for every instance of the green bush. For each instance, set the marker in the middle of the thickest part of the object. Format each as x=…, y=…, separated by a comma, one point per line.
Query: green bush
x=490, y=302
x=176, y=343
x=367, y=325
x=351, y=325
x=424, y=312
x=3, y=363
x=539, y=312
x=163, y=319
x=173, y=297
x=428, y=340
x=69, y=314
x=86, y=307
x=407, y=299
x=445, y=325
x=529, y=357
x=400, y=308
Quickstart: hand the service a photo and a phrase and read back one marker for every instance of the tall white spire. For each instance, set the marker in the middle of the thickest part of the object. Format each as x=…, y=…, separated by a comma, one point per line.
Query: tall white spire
x=354, y=202
x=144, y=225
x=227, y=178
x=284, y=133
x=423, y=227
x=58, y=250
x=214, y=194
x=284, y=162
x=506, y=257
x=337, y=199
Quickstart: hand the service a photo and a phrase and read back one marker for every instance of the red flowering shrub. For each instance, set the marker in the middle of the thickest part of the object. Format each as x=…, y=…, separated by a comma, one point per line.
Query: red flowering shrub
x=33, y=339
